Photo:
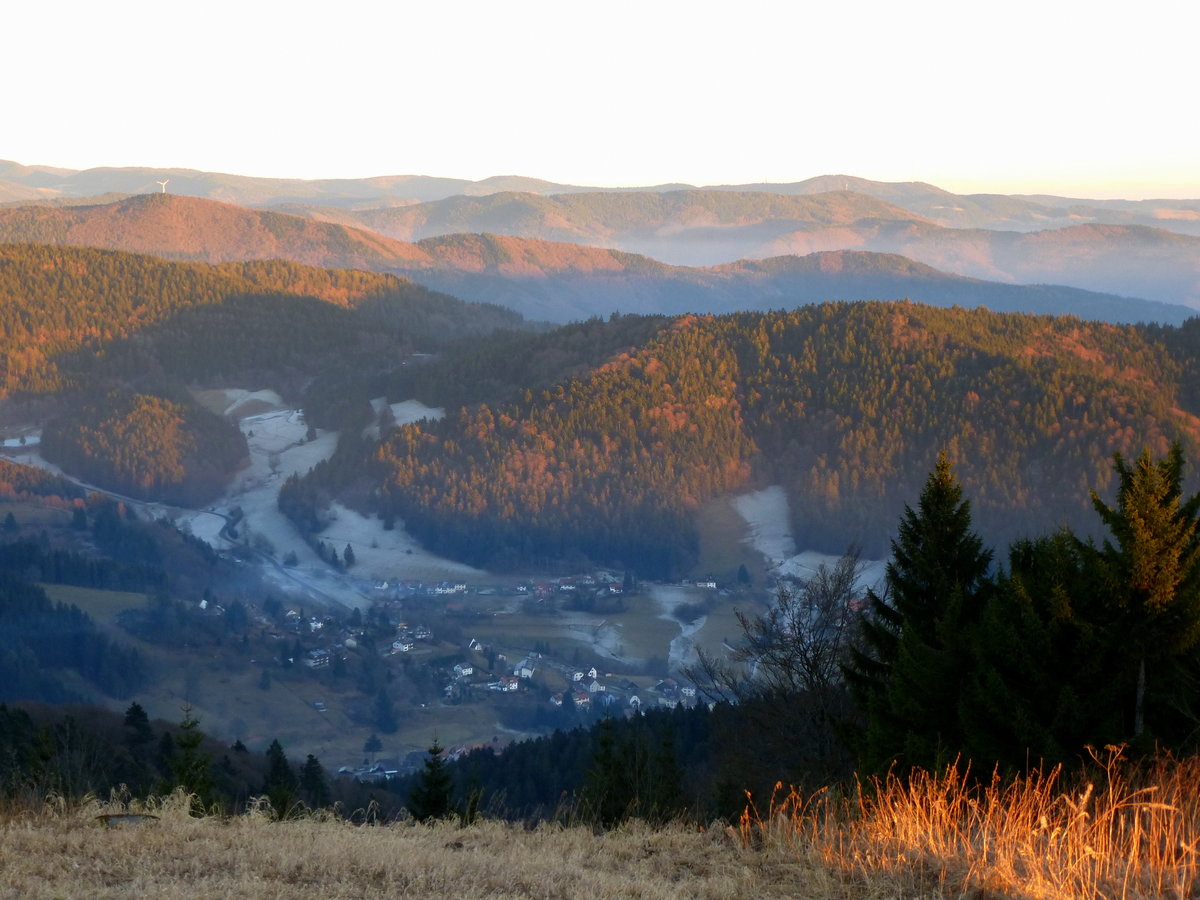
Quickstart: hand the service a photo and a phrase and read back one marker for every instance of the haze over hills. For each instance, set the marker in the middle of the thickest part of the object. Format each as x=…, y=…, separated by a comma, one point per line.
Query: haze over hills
x=552, y=281
x=559, y=282
x=994, y=211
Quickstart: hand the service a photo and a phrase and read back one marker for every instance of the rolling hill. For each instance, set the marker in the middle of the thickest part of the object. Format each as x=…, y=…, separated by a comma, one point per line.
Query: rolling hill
x=546, y=280
x=560, y=282
x=845, y=404
x=101, y=347
x=178, y=227
x=1133, y=260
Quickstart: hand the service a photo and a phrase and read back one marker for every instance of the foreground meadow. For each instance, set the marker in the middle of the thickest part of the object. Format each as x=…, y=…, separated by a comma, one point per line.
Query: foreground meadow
x=1117, y=831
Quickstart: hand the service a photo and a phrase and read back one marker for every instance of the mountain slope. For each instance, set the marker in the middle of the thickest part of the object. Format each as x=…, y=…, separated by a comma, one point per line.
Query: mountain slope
x=846, y=405
x=108, y=343
x=189, y=228
x=60, y=305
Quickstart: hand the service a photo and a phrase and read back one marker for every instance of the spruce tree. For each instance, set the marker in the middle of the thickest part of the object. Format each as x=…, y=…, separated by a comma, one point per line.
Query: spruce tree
x=431, y=797
x=607, y=791
x=1041, y=688
x=313, y=787
x=280, y=785
x=908, y=675
x=1150, y=573
x=191, y=769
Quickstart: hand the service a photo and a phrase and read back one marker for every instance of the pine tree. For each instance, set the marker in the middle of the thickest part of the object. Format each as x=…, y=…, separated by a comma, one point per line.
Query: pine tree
x=138, y=724
x=280, y=785
x=431, y=797
x=1041, y=687
x=190, y=768
x=908, y=676
x=313, y=787
x=1151, y=575
x=607, y=793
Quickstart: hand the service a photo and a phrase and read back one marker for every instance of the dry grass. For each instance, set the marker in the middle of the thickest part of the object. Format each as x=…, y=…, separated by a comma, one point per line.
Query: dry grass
x=1126, y=833
x=64, y=851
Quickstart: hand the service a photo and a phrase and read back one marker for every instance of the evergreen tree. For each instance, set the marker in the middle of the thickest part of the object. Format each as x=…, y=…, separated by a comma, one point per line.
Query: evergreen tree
x=372, y=744
x=280, y=786
x=191, y=769
x=138, y=724
x=909, y=674
x=313, y=787
x=606, y=791
x=1150, y=571
x=1042, y=687
x=431, y=797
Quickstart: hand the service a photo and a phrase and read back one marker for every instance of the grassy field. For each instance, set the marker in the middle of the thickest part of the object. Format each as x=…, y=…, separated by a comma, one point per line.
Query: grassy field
x=69, y=853
x=1114, y=831
x=102, y=606
x=721, y=624
x=723, y=544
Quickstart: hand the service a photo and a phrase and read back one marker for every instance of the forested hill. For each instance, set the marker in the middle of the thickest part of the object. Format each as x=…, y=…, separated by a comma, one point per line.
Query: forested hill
x=843, y=404
x=205, y=230
x=111, y=340
x=61, y=306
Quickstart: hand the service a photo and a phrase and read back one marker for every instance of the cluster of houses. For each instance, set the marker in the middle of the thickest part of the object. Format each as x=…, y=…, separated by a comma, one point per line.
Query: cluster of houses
x=585, y=690
x=398, y=590
x=407, y=637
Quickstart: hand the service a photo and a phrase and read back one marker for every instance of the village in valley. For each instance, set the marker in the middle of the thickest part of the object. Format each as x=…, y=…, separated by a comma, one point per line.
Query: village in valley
x=504, y=673
x=359, y=646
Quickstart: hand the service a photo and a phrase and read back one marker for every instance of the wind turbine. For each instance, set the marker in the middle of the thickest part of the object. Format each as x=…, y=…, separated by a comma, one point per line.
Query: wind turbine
x=163, y=184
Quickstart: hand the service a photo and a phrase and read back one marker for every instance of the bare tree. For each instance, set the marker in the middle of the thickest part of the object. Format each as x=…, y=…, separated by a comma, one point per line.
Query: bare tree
x=799, y=644
x=786, y=675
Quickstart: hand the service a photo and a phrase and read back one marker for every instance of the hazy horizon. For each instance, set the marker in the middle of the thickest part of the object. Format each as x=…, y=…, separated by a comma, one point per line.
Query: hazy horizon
x=1028, y=98
x=955, y=186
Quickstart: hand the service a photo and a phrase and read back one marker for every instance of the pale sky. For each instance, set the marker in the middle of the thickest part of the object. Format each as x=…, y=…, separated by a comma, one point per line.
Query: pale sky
x=1074, y=98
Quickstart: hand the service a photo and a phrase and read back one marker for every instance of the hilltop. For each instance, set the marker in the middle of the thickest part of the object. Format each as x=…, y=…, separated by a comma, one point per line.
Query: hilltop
x=180, y=227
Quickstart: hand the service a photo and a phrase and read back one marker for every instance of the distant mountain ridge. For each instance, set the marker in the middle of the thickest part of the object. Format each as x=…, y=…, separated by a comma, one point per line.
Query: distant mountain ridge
x=550, y=280
x=995, y=211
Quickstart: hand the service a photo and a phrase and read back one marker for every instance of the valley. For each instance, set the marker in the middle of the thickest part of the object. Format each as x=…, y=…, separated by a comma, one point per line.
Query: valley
x=393, y=579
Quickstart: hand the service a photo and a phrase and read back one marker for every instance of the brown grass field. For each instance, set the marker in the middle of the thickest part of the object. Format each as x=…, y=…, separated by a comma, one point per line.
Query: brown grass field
x=1127, y=832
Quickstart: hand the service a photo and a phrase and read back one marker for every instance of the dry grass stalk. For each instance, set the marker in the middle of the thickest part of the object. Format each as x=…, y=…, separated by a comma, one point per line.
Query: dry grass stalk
x=1128, y=833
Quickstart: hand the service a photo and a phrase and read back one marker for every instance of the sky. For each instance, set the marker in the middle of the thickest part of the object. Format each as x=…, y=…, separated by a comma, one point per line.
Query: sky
x=1054, y=96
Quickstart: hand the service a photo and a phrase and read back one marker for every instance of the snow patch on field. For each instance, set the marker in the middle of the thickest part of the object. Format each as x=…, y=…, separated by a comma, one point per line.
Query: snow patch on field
x=768, y=519
x=277, y=437
x=414, y=410
x=766, y=514
x=804, y=565
x=682, y=651
x=387, y=555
